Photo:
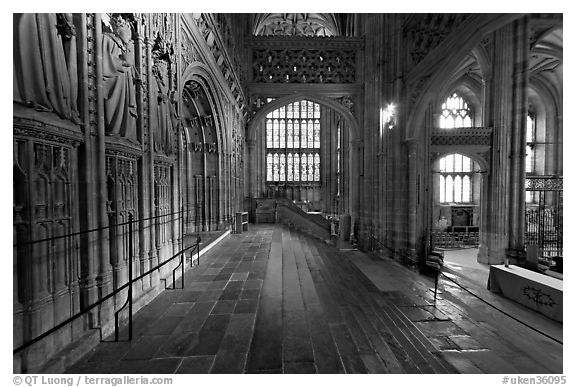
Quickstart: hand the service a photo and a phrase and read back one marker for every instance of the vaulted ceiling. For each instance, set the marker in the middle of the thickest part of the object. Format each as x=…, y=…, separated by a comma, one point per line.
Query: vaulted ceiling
x=298, y=24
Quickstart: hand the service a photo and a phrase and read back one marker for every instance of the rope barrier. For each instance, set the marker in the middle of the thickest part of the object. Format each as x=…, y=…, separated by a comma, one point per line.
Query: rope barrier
x=96, y=229
x=194, y=247
x=486, y=302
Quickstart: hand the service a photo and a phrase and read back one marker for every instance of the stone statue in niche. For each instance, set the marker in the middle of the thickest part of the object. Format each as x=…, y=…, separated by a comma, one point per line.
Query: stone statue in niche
x=119, y=75
x=44, y=68
x=165, y=121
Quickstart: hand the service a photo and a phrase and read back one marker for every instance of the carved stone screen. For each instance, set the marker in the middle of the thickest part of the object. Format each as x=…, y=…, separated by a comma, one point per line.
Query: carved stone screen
x=296, y=65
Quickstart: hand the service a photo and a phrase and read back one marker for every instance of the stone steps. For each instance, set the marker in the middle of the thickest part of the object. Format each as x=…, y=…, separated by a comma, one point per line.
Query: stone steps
x=376, y=325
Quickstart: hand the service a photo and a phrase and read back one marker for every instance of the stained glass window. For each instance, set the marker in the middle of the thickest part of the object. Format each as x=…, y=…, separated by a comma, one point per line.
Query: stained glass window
x=293, y=142
x=455, y=179
x=530, y=159
x=296, y=167
x=529, y=144
x=269, y=163
x=290, y=161
x=455, y=113
x=316, y=167
x=316, y=133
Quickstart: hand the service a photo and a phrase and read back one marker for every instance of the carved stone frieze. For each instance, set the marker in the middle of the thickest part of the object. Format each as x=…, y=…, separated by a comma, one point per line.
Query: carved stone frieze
x=34, y=129
x=544, y=183
x=462, y=136
x=297, y=65
x=162, y=161
x=129, y=154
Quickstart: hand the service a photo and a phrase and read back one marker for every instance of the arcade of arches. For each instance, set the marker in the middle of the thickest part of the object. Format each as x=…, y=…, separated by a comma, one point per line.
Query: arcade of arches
x=402, y=127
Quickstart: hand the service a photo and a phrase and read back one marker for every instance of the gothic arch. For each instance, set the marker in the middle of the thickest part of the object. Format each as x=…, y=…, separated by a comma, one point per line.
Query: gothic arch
x=484, y=166
x=469, y=37
x=354, y=161
x=277, y=103
x=200, y=73
x=469, y=89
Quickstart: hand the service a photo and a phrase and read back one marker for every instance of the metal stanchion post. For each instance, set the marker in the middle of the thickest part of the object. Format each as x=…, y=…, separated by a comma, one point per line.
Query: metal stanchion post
x=182, y=257
x=130, y=257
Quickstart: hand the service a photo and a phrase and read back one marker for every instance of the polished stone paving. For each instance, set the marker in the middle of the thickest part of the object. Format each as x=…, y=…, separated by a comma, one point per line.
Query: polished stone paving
x=273, y=300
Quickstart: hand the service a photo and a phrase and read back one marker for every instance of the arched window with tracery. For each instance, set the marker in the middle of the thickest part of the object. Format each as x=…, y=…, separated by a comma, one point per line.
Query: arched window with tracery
x=455, y=179
x=293, y=143
x=456, y=113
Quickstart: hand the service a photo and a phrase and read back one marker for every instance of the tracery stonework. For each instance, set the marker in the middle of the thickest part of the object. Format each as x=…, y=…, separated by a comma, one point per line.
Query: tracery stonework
x=214, y=42
x=462, y=136
x=296, y=24
x=272, y=65
x=189, y=51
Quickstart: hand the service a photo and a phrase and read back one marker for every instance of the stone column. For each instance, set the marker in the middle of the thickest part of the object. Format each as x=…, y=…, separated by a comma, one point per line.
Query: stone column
x=506, y=113
x=354, y=184
x=517, y=198
x=413, y=204
x=99, y=164
x=91, y=245
x=148, y=173
x=252, y=168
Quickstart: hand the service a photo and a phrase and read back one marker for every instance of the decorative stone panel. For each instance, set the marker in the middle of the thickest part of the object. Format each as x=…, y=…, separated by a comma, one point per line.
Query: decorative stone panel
x=270, y=65
x=544, y=183
x=462, y=136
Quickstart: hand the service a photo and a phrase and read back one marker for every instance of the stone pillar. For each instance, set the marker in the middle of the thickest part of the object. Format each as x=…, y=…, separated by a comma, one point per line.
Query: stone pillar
x=517, y=198
x=252, y=168
x=148, y=181
x=355, y=150
x=507, y=115
x=413, y=204
x=104, y=268
x=91, y=245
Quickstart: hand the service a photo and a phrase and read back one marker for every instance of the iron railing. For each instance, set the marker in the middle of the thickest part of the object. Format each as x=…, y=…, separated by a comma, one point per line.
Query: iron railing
x=129, y=300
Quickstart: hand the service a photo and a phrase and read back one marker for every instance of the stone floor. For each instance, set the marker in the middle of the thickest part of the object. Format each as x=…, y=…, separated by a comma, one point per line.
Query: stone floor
x=272, y=300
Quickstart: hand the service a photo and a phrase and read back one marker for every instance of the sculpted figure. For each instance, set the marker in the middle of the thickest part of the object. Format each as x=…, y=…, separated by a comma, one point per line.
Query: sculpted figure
x=165, y=121
x=165, y=114
x=44, y=71
x=119, y=79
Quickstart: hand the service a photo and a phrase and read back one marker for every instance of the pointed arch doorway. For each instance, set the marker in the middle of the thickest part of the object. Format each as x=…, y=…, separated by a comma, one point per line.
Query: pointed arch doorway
x=321, y=131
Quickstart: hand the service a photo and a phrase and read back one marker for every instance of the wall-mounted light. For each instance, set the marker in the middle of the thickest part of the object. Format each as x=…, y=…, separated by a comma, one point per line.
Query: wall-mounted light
x=390, y=116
